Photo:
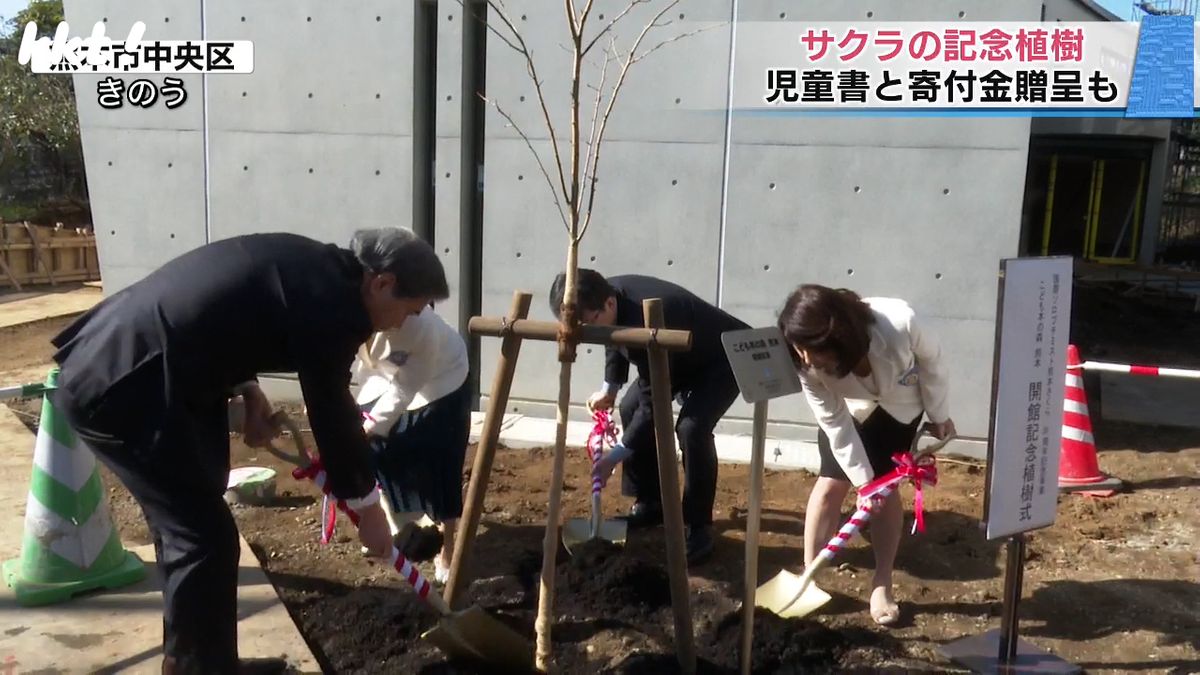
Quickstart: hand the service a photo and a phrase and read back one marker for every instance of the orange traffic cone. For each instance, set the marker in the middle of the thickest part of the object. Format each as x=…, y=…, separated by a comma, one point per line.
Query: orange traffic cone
x=1078, y=469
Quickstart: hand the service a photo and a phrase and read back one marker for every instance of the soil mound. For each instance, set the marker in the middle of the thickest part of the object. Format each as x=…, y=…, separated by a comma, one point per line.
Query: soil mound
x=603, y=574
x=780, y=645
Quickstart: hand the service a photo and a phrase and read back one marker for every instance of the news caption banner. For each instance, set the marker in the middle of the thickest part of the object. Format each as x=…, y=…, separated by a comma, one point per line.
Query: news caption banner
x=1086, y=69
x=97, y=53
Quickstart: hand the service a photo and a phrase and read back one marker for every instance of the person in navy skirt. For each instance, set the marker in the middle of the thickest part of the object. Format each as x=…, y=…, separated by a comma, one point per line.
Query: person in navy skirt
x=416, y=405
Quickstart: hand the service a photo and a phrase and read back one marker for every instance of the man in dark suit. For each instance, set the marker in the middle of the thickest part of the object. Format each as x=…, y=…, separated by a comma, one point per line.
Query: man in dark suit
x=701, y=379
x=146, y=377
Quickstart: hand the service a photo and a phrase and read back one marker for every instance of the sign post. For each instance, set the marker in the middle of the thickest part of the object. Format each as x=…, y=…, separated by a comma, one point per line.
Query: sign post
x=1028, y=378
x=762, y=365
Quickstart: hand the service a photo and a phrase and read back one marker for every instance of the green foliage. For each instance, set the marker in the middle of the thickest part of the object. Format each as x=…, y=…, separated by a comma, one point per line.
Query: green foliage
x=39, y=123
x=34, y=108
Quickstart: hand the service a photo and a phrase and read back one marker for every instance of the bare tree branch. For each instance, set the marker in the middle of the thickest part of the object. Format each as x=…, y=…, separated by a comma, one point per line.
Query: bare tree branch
x=681, y=36
x=572, y=20
x=618, y=17
x=537, y=83
x=576, y=68
x=557, y=203
x=588, y=177
x=587, y=11
x=629, y=61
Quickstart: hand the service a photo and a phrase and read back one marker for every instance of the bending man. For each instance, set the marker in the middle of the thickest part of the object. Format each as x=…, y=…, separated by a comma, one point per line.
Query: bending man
x=148, y=373
x=700, y=378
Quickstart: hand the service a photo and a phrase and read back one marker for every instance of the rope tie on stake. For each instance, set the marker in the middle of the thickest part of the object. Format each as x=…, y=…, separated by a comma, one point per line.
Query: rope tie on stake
x=568, y=333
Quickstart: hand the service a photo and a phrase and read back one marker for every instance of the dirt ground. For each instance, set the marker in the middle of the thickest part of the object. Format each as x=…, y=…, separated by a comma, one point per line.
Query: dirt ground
x=1113, y=586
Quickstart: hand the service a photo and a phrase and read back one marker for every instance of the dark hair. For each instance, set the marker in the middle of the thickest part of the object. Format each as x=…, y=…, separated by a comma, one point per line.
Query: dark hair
x=414, y=263
x=592, y=290
x=819, y=318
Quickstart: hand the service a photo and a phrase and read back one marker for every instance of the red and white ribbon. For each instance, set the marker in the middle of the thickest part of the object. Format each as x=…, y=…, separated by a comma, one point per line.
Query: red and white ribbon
x=920, y=472
x=1153, y=371
x=330, y=505
x=316, y=473
x=604, y=431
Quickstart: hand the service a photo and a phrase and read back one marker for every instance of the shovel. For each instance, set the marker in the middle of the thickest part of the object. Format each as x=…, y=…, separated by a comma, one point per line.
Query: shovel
x=578, y=531
x=792, y=596
x=470, y=635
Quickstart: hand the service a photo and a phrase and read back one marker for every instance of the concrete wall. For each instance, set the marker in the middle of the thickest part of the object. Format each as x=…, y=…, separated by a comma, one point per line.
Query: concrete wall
x=743, y=213
x=320, y=140
x=308, y=142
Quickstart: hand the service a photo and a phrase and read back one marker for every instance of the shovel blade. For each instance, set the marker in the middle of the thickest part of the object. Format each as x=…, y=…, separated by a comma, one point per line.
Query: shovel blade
x=614, y=531
x=475, y=636
x=578, y=531
x=777, y=594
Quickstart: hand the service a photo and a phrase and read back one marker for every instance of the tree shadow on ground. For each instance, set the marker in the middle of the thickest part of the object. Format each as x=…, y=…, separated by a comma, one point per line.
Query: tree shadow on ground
x=1084, y=611
x=953, y=547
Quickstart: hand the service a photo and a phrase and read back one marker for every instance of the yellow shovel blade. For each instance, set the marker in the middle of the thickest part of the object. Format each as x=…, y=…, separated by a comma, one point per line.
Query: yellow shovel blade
x=475, y=636
x=777, y=594
x=577, y=531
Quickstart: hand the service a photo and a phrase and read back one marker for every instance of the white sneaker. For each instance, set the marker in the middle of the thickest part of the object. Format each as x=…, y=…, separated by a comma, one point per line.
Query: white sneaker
x=441, y=571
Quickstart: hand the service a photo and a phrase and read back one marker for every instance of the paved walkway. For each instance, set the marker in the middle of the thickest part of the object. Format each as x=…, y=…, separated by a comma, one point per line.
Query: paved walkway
x=27, y=306
x=117, y=631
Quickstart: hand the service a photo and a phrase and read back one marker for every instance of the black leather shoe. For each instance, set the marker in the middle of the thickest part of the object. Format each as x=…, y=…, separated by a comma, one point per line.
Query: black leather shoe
x=418, y=544
x=644, y=514
x=699, y=544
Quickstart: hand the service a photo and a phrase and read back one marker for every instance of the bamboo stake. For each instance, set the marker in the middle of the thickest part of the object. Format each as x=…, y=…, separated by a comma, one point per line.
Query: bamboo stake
x=485, y=452
x=670, y=340
x=668, y=478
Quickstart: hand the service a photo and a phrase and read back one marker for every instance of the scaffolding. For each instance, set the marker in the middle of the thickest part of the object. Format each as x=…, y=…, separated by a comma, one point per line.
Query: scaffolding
x=1143, y=8
x=1179, y=229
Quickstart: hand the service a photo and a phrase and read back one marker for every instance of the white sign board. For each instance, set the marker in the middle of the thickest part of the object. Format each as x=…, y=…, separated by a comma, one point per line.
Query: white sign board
x=1033, y=330
x=762, y=363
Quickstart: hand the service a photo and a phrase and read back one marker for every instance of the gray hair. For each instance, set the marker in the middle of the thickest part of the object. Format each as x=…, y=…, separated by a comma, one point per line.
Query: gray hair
x=417, y=268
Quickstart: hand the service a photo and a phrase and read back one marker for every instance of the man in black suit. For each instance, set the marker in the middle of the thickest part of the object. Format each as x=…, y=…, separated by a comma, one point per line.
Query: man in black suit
x=701, y=379
x=146, y=377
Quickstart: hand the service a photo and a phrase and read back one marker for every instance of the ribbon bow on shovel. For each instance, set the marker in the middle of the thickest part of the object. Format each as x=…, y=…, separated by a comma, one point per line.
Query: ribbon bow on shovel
x=920, y=470
x=791, y=596
x=576, y=531
x=471, y=634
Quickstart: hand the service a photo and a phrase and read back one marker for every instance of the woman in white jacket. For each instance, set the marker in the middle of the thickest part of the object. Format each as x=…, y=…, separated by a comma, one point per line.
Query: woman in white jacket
x=870, y=371
x=416, y=408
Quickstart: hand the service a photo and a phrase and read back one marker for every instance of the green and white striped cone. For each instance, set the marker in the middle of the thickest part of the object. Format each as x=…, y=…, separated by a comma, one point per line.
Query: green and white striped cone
x=70, y=545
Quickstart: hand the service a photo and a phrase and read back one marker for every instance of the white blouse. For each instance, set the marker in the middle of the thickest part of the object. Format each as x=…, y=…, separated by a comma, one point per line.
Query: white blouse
x=908, y=376
x=408, y=368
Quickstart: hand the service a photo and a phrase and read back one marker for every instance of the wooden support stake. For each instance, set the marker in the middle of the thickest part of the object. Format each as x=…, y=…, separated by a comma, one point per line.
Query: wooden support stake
x=670, y=340
x=668, y=477
x=485, y=452
x=39, y=254
x=4, y=253
x=8, y=272
x=757, y=457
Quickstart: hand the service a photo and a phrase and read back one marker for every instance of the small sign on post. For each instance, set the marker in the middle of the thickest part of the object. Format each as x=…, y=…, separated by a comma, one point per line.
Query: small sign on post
x=1029, y=374
x=762, y=364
